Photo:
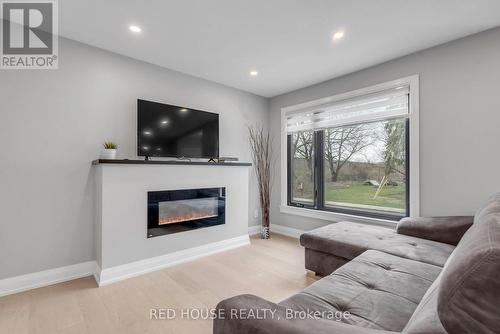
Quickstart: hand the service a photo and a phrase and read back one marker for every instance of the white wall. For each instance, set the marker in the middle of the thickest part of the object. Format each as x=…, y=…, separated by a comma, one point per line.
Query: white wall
x=459, y=122
x=52, y=124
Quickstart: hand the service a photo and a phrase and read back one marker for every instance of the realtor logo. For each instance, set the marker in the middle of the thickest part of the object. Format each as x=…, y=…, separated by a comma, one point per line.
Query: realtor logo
x=29, y=35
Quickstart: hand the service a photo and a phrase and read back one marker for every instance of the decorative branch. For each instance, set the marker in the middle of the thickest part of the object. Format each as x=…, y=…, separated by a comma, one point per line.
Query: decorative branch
x=262, y=156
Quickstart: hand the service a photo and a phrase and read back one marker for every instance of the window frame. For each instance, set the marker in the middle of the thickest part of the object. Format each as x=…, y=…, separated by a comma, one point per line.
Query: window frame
x=298, y=204
x=319, y=210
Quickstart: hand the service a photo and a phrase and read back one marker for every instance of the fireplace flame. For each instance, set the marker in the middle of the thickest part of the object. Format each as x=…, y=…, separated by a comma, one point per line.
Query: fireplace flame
x=184, y=218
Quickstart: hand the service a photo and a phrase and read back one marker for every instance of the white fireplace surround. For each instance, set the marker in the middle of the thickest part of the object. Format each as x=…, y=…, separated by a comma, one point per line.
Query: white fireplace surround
x=121, y=246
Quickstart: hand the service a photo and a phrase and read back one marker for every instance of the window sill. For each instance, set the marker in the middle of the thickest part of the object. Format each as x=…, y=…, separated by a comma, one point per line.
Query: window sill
x=335, y=216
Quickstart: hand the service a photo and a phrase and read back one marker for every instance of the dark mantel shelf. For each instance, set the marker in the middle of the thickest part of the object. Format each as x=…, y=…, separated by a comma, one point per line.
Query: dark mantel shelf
x=167, y=162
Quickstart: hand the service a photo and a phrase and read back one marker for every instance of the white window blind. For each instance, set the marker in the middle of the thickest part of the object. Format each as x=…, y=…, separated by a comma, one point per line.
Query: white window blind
x=387, y=104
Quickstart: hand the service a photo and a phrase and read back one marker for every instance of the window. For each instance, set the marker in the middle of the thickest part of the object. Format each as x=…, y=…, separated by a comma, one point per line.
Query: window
x=365, y=168
x=352, y=156
x=302, y=167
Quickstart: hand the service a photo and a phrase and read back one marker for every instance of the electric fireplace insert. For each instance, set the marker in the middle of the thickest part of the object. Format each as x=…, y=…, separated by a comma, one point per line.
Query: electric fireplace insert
x=174, y=211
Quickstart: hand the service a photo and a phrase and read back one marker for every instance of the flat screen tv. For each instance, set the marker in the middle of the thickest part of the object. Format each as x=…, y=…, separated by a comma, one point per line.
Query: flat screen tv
x=165, y=130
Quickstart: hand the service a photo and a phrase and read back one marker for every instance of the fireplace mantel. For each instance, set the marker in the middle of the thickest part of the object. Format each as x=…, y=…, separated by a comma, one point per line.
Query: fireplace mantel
x=167, y=162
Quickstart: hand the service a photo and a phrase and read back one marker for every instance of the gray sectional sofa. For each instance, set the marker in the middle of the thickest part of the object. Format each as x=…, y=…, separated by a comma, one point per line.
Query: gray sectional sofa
x=430, y=276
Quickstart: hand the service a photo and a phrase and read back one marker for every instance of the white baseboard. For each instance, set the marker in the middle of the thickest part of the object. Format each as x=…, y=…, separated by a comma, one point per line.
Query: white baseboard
x=40, y=279
x=279, y=229
x=285, y=230
x=253, y=230
x=118, y=273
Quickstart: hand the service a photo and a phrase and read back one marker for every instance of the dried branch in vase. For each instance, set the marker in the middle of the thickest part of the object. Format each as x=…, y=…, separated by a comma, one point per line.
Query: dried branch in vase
x=262, y=154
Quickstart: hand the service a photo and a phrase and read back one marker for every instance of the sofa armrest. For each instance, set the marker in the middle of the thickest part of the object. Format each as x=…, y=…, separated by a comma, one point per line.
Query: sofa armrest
x=448, y=230
x=234, y=316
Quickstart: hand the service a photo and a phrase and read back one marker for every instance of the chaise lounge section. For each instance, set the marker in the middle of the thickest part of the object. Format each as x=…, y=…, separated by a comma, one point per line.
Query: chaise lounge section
x=398, y=288
x=427, y=240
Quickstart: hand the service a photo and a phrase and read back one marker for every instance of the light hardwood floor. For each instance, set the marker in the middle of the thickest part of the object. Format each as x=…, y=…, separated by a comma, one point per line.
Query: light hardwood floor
x=272, y=269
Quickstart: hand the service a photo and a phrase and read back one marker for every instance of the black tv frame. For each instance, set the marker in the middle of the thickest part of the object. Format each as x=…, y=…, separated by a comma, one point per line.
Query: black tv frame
x=175, y=156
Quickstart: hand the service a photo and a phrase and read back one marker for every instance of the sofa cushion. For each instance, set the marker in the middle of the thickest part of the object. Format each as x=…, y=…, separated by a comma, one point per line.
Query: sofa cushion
x=448, y=229
x=380, y=291
x=425, y=319
x=348, y=240
x=469, y=294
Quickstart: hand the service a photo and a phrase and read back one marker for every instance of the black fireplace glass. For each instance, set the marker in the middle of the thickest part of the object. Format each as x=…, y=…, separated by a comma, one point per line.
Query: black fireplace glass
x=173, y=211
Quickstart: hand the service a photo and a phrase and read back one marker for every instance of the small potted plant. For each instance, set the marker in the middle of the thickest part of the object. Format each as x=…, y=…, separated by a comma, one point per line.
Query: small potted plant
x=109, y=151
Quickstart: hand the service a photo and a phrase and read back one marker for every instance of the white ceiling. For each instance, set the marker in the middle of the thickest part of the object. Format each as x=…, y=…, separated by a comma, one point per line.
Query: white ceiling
x=288, y=41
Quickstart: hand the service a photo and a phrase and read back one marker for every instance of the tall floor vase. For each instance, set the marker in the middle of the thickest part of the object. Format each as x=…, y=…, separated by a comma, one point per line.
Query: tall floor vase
x=264, y=230
x=261, y=145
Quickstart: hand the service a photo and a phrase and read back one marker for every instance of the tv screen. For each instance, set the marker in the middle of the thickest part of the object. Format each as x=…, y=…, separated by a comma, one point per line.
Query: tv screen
x=173, y=131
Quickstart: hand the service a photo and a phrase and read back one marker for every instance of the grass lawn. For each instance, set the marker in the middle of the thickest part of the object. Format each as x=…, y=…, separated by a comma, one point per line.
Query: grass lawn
x=358, y=193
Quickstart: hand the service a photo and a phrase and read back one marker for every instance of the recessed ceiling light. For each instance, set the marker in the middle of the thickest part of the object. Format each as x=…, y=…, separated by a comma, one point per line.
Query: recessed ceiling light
x=135, y=29
x=338, y=35
x=183, y=110
x=147, y=133
x=164, y=121
x=254, y=73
